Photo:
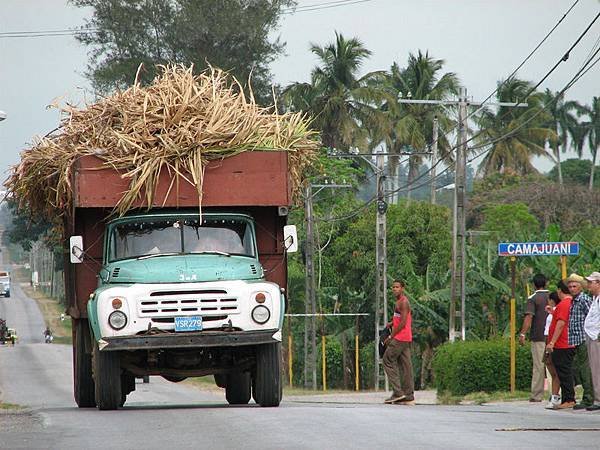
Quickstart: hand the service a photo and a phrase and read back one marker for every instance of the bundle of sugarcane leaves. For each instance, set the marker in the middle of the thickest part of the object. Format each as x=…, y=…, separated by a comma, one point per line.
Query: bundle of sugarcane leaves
x=177, y=123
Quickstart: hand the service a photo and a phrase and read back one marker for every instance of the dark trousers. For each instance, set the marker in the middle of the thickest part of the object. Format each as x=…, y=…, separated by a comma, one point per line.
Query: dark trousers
x=583, y=374
x=562, y=358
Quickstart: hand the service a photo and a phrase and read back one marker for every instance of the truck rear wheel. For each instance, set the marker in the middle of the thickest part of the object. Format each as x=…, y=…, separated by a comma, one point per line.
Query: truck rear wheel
x=107, y=379
x=237, y=390
x=267, y=381
x=83, y=382
x=127, y=386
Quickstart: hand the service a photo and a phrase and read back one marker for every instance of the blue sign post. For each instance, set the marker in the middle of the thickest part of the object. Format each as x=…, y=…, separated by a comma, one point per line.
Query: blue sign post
x=515, y=249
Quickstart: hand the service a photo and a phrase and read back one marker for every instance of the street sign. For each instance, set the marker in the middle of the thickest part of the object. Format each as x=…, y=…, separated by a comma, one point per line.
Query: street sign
x=538, y=248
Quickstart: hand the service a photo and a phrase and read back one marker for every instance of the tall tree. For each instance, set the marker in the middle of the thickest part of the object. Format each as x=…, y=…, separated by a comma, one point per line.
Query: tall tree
x=340, y=101
x=563, y=122
x=515, y=134
x=233, y=35
x=592, y=129
x=412, y=124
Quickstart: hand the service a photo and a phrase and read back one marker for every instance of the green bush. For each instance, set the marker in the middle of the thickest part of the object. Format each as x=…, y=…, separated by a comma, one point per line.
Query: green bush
x=475, y=366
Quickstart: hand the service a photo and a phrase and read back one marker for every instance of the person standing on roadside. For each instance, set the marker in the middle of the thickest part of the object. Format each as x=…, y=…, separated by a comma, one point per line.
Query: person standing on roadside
x=535, y=320
x=580, y=306
x=554, y=401
x=558, y=345
x=397, y=361
x=592, y=336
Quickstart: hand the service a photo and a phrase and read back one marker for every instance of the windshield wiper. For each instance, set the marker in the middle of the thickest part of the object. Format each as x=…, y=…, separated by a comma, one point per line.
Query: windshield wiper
x=154, y=255
x=212, y=252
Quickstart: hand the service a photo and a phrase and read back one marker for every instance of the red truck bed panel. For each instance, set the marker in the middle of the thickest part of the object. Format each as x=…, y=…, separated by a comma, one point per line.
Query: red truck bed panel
x=247, y=179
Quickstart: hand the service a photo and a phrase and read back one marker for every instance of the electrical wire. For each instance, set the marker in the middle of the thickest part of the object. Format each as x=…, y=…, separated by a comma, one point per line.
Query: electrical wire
x=527, y=58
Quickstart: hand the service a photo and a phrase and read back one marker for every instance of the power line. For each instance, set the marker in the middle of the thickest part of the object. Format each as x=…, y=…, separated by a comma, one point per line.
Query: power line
x=72, y=32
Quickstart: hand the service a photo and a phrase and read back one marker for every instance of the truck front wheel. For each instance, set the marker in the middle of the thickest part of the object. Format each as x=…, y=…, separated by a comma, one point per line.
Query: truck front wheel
x=267, y=380
x=237, y=389
x=83, y=382
x=107, y=379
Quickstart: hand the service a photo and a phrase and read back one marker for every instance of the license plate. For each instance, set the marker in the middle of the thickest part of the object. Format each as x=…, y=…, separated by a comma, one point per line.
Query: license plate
x=191, y=323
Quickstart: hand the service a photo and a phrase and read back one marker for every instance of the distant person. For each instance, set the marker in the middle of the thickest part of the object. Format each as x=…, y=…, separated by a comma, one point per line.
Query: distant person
x=554, y=401
x=535, y=320
x=558, y=345
x=592, y=332
x=397, y=361
x=579, y=310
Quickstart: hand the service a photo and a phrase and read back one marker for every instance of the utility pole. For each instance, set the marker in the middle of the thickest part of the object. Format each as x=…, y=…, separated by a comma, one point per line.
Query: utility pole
x=457, y=298
x=381, y=266
x=434, y=148
x=457, y=285
x=310, y=328
x=310, y=348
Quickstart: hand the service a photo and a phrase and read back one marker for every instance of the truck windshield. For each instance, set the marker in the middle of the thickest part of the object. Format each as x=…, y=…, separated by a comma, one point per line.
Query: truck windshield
x=168, y=236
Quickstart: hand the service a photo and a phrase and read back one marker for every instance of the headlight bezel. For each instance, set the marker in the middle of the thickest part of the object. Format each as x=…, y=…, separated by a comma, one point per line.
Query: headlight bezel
x=257, y=310
x=117, y=313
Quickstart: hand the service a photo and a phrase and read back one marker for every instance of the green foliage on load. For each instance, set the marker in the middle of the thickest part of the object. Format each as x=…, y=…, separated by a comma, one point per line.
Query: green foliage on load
x=479, y=366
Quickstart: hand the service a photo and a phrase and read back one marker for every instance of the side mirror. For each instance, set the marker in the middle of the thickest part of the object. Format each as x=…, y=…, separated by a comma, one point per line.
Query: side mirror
x=76, y=249
x=290, y=238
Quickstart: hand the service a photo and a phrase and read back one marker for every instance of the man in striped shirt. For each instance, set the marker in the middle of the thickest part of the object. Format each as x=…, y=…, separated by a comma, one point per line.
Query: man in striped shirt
x=580, y=305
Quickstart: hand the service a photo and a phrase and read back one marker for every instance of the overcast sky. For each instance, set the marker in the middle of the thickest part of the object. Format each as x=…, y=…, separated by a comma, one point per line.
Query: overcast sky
x=482, y=41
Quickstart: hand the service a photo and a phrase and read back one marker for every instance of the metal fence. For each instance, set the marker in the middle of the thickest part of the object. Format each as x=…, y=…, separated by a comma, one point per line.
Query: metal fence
x=44, y=275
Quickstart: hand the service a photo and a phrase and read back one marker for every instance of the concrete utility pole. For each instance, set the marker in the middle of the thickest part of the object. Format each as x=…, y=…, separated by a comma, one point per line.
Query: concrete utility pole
x=381, y=266
x=460, y=199
x=457, y=285
x=434, y=148
x=310, y=328
x=310, y=348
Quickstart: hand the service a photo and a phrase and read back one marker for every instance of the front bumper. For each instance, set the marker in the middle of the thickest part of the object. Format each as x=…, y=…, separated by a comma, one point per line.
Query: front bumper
x=190, y=340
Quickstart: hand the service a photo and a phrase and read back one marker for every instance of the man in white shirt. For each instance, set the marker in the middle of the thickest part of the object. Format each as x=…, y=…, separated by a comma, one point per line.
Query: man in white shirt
x=592, y=336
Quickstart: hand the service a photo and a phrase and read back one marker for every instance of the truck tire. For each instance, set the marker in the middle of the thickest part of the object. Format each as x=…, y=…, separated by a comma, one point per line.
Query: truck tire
x=107, y=379
x=221, y=380
x=267, y=383
x=8, y=294
x=83, y=382
x=127, y=386
x=237, y=390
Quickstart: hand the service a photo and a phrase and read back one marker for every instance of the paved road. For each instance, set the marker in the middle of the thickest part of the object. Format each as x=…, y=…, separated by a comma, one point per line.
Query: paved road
x=166, y=415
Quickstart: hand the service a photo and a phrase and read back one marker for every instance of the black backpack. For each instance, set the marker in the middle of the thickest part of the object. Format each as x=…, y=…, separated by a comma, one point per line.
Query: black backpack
x=383, y=335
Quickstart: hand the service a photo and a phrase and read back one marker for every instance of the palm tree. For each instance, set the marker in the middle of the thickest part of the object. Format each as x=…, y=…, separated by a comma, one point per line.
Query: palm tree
x=591, y=128
x=412, y=124
x=563, y=122
x=515, y=134
x=341, y=102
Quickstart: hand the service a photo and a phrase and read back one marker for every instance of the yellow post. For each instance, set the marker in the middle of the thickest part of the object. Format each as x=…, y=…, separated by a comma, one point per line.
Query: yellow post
x=513, y=327
x=356, y=366
x=528, y=290
x=563, y=267
x=324, y=359
x=290, y=359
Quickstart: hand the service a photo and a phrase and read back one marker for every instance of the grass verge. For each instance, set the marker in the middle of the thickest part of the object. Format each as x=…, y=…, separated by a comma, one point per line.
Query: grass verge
x=9, y=406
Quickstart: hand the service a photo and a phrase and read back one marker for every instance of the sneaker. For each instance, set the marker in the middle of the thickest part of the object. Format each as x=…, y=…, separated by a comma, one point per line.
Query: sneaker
x=394, y=398
x=566, y=405
x=553, y=402
x=594, y=407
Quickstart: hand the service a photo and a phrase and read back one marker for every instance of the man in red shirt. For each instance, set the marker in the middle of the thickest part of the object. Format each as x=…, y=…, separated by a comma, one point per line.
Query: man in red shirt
x=558, y=346
x=397, y=361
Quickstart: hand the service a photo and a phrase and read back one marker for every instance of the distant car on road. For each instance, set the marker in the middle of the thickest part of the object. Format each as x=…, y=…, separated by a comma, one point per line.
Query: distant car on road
x=5, y=284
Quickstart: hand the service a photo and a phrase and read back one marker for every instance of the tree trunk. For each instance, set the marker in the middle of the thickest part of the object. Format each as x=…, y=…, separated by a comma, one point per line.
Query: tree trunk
x=426, y=358
x=594, y=154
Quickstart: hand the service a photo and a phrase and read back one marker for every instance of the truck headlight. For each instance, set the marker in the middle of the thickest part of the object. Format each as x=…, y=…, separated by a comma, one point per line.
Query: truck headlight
x=117, y=320
x=261, y=314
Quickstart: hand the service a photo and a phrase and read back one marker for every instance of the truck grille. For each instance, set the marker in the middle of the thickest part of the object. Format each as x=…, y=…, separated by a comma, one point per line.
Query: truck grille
x=188, y=303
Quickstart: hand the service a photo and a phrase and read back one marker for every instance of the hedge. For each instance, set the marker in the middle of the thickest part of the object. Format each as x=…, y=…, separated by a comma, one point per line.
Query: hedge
x=475, y=366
